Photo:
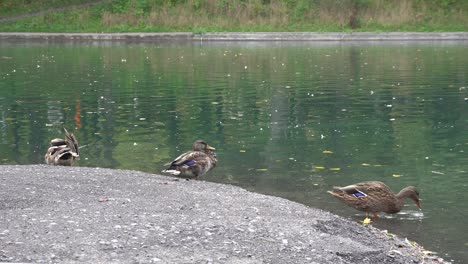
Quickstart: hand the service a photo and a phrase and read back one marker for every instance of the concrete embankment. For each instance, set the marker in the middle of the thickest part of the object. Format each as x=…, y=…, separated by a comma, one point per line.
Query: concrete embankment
x=95, y=215
x=239, y=36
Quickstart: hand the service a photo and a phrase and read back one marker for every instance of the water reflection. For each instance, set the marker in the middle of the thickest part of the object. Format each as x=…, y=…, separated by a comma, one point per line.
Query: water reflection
x=288, y=119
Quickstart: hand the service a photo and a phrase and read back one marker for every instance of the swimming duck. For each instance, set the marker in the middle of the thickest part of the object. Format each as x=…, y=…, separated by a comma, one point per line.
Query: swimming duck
x=195, y=163
x=63, y=151
x=374, y=196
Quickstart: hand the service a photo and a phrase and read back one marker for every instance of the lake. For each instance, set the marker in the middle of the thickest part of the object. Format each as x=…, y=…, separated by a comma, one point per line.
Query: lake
x=289, y=119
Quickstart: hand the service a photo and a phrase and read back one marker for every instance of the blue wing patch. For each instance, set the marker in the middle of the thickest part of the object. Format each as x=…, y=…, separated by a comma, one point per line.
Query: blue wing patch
x=359, y=194
x=190, y=163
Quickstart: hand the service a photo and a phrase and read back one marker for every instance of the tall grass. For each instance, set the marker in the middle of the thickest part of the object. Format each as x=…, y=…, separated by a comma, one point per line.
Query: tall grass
x=285, y=14
x=263, y=15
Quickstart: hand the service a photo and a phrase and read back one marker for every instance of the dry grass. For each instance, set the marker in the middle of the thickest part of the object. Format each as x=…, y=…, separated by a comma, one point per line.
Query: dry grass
x=223, y=14
x=212, y=14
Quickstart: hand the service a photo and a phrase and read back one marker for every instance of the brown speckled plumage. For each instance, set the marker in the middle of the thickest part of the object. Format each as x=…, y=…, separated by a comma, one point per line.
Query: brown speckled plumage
x=374, y=196
x=63, y=151
x=195, y=163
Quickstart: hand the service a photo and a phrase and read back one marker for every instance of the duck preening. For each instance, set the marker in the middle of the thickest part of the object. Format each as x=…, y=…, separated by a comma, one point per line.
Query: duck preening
x=194, y=163
x=63, y=151
x=374, y=196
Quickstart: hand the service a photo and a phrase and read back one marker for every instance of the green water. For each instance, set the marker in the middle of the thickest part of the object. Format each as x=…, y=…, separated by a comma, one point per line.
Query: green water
x=287, y=119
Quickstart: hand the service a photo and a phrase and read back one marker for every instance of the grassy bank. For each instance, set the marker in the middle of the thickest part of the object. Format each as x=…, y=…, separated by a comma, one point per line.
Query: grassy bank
x=234, y=15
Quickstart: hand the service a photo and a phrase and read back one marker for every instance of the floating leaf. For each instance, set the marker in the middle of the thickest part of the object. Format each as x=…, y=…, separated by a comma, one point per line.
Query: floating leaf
x=335, y=169
x=319, y=167
x=396, y=175
x=262, y=169
x=159, y=124
x=365, y=164
x=242, y=150
x=327, y=152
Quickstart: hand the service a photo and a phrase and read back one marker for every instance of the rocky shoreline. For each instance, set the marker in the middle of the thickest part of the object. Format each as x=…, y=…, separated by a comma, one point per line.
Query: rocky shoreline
x=96, y=215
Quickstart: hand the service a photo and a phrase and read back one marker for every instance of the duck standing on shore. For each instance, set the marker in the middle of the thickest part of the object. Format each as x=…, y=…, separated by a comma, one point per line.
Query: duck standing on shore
x=63, y=152
x=194, y=163
x=374, y=196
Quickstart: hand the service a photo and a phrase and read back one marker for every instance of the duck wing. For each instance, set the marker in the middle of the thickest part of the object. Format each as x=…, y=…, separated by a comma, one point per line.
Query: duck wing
x=189, y=158
x=72, y=143
x=365, y=188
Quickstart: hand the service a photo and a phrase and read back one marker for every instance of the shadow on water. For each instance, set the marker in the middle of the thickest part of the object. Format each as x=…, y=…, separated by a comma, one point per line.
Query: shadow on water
x=287, y=119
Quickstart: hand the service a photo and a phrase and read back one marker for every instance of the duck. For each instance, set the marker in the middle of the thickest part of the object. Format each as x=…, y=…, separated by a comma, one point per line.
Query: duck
x=63, y=152
x=375, y=196
x=195, y=163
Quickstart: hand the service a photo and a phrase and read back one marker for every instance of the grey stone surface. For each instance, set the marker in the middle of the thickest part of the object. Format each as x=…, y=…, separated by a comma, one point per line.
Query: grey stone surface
x=93, y=215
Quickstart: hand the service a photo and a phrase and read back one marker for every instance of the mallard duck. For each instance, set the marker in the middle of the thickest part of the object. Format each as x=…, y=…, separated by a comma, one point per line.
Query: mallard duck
x=374, y=196
x=63, y=151
x=195, y=163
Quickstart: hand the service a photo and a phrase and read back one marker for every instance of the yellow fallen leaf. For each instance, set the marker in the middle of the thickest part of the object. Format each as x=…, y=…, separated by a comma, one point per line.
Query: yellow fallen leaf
x=262, y=169
x=242, y=150
x=319, y=167
x=327, y=152
x=396, y=175
x=366, y=221
x=365, y=164
x=335, y=169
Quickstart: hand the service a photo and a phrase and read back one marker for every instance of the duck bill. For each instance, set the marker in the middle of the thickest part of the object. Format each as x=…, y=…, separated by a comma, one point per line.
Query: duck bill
x=210, y=147
x=418, y=205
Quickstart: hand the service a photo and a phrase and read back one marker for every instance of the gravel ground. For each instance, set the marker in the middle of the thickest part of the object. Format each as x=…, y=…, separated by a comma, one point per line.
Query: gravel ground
x=94, y=215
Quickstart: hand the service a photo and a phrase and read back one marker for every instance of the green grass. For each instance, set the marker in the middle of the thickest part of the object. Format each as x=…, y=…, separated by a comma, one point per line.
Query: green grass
x=202, y=16
x=19, y=7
